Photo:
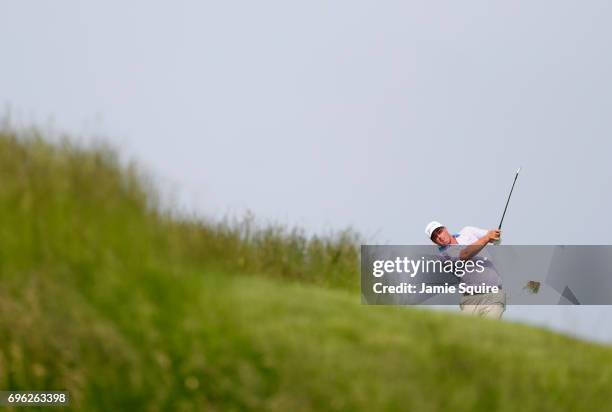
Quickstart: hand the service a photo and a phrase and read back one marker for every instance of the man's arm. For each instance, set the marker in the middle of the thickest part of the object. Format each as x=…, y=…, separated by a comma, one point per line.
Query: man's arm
x=472, y=250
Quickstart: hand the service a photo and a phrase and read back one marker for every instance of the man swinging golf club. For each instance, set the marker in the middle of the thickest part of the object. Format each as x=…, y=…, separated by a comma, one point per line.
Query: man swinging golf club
x=473, y=240
x=466, y=245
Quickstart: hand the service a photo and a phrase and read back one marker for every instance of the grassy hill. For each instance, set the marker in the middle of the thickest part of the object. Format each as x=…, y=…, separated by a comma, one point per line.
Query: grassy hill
x=131, y=307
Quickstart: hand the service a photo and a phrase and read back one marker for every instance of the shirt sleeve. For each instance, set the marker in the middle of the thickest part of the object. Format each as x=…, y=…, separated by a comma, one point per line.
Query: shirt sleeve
x=477, y=231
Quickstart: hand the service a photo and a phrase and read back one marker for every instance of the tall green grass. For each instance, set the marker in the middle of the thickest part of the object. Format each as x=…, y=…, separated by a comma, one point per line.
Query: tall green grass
x=79, y=205
x=97, y=278
x=128, y=306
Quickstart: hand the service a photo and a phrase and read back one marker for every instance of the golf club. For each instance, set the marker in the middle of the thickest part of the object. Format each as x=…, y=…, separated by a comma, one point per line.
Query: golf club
x=507, y=203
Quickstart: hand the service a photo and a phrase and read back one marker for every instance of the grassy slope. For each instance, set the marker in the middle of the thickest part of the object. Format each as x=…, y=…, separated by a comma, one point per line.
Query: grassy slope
x=318, y=349
x=130, y=309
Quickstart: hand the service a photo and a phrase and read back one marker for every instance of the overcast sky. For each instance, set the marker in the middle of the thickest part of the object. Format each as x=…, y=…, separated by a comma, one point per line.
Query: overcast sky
x=380, y=115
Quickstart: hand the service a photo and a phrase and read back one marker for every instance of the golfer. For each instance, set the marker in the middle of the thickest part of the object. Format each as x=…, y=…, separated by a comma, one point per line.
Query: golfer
x=473, y=240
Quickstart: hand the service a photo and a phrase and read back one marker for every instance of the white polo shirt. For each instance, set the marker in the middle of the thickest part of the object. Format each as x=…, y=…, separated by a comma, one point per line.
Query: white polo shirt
x=467, y=236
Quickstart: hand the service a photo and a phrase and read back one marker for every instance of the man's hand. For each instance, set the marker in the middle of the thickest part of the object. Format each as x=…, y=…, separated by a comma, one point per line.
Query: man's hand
x=494, y=235
x=470, y=251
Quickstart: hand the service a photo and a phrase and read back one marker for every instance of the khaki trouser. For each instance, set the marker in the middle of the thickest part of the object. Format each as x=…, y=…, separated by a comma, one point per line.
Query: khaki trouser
x=486, y=305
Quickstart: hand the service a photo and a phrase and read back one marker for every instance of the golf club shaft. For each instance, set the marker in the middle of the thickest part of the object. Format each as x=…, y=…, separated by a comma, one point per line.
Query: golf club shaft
x=508, y=201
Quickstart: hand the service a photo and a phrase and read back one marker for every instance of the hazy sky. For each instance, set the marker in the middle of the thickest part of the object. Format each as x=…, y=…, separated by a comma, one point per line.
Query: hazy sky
x=377, y=115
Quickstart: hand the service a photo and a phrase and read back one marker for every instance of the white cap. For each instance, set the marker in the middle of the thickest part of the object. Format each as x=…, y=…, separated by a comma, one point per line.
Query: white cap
x=429, y=229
